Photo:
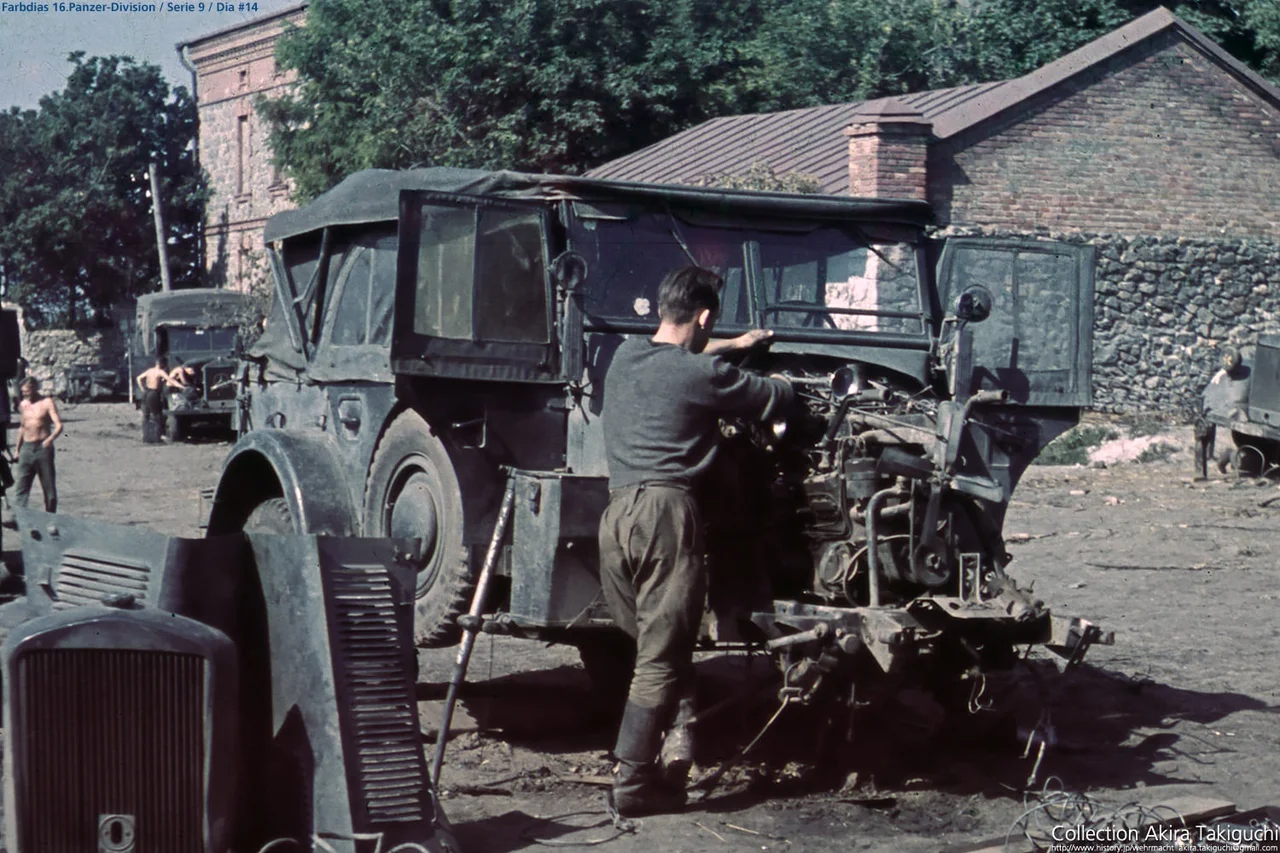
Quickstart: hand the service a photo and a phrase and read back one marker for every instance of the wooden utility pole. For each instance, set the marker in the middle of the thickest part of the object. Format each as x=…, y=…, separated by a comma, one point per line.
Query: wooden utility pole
x=159, y=216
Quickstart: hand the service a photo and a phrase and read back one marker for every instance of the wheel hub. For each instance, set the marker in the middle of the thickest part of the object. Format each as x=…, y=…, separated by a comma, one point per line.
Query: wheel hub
x=414, y=513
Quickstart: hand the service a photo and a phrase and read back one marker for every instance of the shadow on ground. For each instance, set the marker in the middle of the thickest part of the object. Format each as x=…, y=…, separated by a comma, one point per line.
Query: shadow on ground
x=1104, y=730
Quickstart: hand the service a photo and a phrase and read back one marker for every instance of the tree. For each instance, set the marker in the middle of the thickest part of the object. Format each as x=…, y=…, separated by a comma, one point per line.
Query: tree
x=76, y=228
x=552, y=85
x=562, y=85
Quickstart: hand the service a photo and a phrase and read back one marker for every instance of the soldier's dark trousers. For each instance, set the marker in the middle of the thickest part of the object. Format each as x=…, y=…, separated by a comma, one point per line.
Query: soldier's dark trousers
x=34, y=459
x=654, y=578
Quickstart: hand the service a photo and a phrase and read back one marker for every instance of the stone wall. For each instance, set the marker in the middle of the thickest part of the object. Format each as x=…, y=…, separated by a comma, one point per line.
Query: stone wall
x=1164, y=307
x=51, y=352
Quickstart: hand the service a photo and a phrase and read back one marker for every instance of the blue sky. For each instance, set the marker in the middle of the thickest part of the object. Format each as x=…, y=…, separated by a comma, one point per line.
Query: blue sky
x=34, y=44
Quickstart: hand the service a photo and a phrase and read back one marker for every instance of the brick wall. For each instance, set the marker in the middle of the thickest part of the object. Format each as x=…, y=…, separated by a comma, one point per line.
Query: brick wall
x=235, y=67
x=1159, y=141
x=888, y=151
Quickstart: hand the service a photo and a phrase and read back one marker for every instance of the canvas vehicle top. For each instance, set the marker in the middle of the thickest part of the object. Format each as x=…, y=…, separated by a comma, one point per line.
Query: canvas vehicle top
x=439, y=332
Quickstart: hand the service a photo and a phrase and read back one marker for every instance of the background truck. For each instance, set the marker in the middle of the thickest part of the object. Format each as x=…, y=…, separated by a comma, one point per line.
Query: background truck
x=200, y=329
x=1243, y=398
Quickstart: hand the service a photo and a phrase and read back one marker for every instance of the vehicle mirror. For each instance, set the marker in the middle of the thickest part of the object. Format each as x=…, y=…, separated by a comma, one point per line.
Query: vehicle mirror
x=570, y=270
x=974, y=304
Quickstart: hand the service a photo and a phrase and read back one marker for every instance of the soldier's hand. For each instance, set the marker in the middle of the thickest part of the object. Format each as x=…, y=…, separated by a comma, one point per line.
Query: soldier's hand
x=753, y=338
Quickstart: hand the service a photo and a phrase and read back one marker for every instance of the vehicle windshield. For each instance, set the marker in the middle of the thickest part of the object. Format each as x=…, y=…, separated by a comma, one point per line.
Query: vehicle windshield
x=189, y=339
x=827, y=278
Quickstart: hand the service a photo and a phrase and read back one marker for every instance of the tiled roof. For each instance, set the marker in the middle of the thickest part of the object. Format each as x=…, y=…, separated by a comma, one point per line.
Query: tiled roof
x=810, y=141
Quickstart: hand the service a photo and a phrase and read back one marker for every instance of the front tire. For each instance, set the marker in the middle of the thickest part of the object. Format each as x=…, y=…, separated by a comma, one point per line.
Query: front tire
x=271, y=516
x=413, y=492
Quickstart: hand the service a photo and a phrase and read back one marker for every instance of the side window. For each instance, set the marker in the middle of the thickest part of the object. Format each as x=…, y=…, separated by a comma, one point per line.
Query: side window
x=382, y=290
x=481, y=276
x=446, y=261
x=511, y=289
x=351, y=321
x=301, y=260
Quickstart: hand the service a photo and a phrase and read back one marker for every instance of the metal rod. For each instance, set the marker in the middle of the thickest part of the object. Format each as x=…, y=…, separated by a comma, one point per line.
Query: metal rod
x=873, y=543
x=470, y=626
x=817, y=632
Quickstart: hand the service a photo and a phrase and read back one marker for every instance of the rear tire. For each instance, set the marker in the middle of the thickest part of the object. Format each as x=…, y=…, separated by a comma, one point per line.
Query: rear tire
x=271, y=516
x=412, y=492
x=174, y=429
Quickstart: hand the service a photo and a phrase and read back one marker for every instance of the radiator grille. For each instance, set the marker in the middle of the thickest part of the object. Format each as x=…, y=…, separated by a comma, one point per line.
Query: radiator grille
x=219, y=383
x=382, y=716
x=84, y=579
x=109, y=732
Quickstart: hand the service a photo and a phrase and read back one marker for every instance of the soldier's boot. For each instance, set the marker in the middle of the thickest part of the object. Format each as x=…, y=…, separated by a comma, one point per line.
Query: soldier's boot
x=638, y=785
x=677, y=747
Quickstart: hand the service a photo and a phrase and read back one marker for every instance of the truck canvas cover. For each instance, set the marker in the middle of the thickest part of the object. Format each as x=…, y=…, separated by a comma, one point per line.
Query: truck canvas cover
x=202, y=307
x=373, y=196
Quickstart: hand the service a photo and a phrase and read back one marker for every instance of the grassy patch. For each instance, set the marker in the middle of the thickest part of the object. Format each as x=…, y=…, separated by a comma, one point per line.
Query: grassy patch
x=1073, y=446
x=1158, y=452
x=1144, y=425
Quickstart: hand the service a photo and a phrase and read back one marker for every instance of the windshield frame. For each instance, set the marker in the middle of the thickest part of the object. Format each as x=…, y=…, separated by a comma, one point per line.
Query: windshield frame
x=750, y=275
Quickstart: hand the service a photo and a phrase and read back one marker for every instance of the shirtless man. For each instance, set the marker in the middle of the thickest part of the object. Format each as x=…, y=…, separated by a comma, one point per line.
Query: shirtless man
x=40, y=426
x=180, y=374
x=152, y=382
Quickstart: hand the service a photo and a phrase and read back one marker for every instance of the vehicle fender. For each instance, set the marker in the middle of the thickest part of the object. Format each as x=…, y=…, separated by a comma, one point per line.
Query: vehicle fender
x=302, y=468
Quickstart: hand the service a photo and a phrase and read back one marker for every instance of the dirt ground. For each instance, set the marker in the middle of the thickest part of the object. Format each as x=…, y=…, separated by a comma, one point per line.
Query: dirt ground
x=1183, y=704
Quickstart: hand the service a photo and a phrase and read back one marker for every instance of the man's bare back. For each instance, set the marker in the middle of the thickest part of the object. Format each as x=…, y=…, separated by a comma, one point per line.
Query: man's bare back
x=153, y=378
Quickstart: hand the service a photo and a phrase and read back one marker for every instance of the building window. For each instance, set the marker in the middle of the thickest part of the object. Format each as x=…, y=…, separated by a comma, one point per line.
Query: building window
x=244, y=78
x=242, y=155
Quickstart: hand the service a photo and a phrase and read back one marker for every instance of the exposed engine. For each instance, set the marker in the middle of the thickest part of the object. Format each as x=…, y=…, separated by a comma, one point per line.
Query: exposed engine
x=865, y=494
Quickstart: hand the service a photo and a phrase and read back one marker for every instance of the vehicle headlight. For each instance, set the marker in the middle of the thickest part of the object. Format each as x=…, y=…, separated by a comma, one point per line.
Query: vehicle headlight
x=844, y=382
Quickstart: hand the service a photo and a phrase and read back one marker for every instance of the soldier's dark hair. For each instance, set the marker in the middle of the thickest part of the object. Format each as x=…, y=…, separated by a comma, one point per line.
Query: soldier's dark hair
x=30, y=382
x=687, y=291
x=162, y=362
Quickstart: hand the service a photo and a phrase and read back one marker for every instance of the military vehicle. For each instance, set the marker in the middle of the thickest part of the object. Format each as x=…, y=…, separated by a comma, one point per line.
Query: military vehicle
x=439, y=333
x=1243, y=398
x=238, y=693
x=198, y=329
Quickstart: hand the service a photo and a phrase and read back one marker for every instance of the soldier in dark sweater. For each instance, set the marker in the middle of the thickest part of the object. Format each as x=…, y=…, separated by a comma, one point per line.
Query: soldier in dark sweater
x=663, y=400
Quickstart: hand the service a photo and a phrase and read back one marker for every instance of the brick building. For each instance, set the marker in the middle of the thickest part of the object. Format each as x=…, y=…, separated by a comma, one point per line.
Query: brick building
x=233, y=67
x=1151, y=142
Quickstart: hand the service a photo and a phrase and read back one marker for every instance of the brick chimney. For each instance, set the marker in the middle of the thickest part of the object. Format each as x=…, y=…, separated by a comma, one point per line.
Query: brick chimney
x=888, y=148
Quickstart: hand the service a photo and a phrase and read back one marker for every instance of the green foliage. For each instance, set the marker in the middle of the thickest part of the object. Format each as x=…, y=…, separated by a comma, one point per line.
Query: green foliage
x=563, y=85
x=550, y=85
x=76, y=228
x=1073, y=446
x=761, y=176
x=1158, y=452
